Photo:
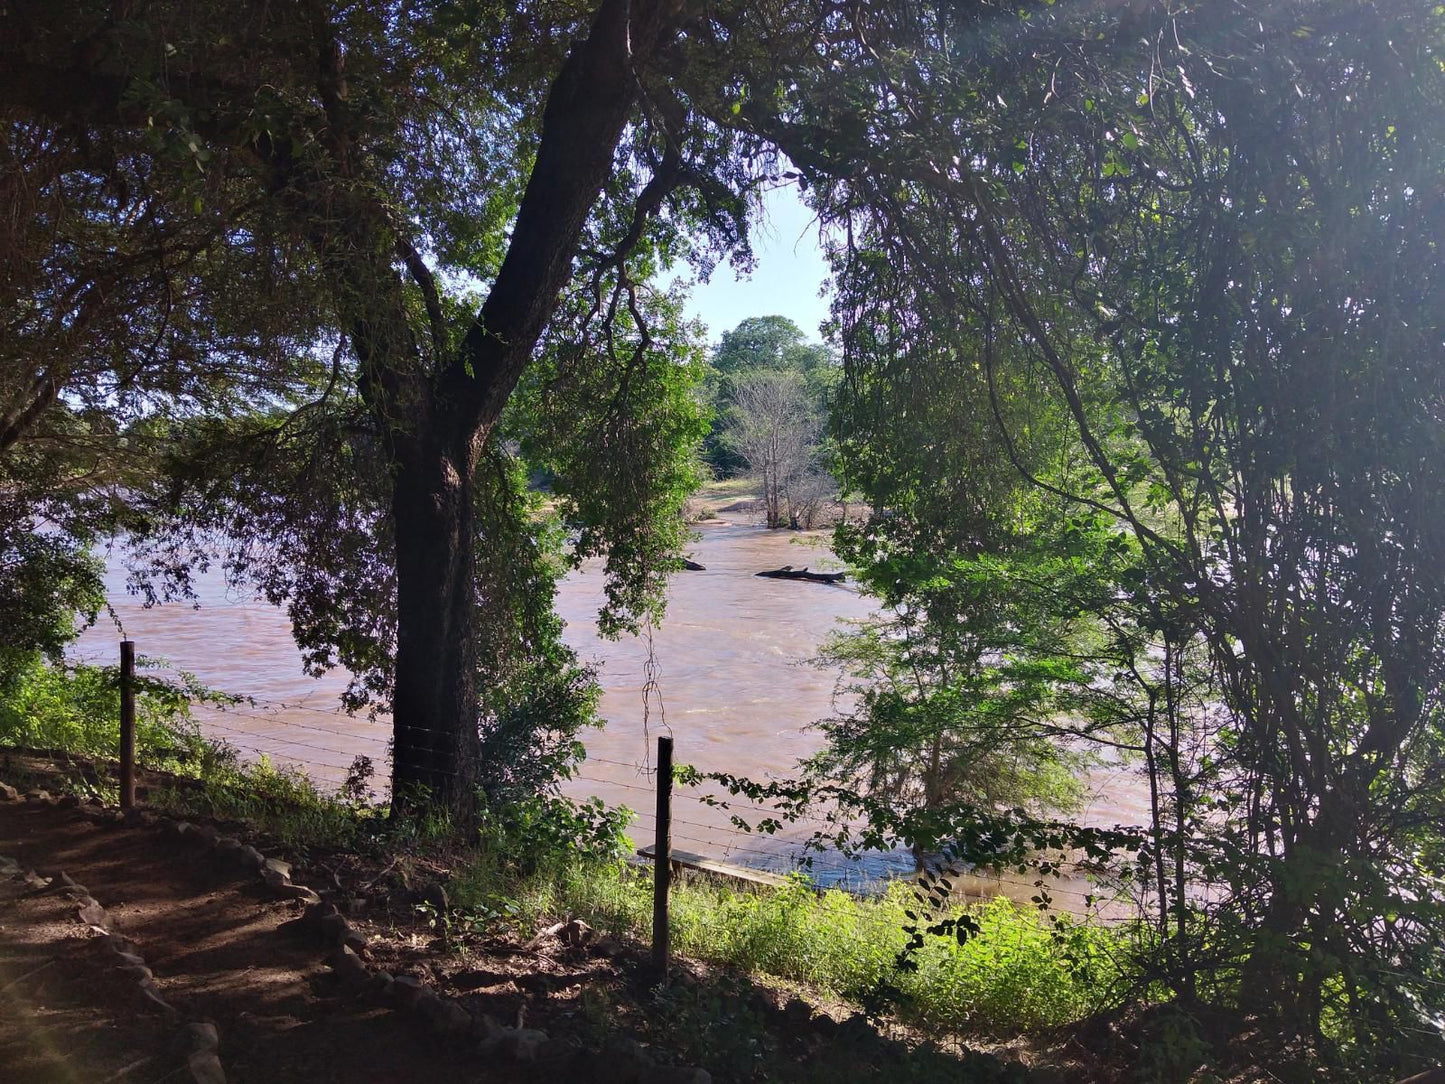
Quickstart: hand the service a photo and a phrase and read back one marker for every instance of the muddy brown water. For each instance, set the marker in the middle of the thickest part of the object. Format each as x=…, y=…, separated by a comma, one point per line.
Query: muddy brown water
x=731, y=661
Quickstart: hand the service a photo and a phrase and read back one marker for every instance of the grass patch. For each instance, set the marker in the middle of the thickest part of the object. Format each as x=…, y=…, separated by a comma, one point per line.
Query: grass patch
x=1020, y=973
x=281, y=802
x=76, y=709
x=736, y=488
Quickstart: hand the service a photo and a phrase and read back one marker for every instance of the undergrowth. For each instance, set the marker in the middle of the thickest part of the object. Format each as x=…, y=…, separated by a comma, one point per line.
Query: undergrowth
x=1019, y=973
x=542, y=857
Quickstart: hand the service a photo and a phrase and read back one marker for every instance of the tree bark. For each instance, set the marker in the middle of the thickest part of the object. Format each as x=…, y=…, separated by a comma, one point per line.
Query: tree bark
x=436, y=752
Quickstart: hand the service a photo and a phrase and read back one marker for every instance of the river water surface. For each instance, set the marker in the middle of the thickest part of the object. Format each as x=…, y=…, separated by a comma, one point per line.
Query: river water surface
x=731, y=662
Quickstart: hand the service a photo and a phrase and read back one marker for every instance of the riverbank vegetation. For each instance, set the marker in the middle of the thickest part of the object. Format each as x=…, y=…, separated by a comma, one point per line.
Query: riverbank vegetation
x=769, y=390
x=1137, y=311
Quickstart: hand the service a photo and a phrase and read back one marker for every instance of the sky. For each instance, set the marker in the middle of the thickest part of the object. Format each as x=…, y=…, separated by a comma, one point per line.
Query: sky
x=789, y=274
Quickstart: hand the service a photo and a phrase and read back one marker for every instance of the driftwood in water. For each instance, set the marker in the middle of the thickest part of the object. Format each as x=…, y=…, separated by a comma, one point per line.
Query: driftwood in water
x=693, y=566
x=788, y=572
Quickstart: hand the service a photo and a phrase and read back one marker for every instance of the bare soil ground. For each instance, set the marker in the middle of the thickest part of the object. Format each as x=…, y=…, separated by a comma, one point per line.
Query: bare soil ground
x=218, y=954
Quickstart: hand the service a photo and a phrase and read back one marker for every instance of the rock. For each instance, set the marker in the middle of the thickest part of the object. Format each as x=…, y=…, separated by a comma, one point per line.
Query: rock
x=622, y=1061
x=37, y=795
x=203, y=1037
x=121, y=945
x=34, y=880
x=203, y=834
x=205, y=1068
x=297, y=892
x=94, y=803
x=824, y=1025
x=456, y=1020
x=427, y=1002
x=797, y=1011
x=130, y=959
x=435, y=895
x=521, y=1044
x=137, y=971
x=857, y=1029
x=274, y=879
x=8, y=793
x=608, y=947
x=176, y=829
x=228, y=847
x=356, y=942
x=406, y=991
x=333, y=927
x=577, y=932
x=349, y=968
x=250, y=857
x=485, y=1027
x=68, y=801
x=269, y=864
x=151, y=997
x=135, y=817
x=92, y=913
x=356, y=905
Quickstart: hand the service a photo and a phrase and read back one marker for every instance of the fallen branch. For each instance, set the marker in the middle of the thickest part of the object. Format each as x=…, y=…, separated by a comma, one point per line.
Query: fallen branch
x=788, y=572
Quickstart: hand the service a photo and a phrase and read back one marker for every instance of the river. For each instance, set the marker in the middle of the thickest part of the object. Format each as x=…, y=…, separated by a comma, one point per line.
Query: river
x=737, y=690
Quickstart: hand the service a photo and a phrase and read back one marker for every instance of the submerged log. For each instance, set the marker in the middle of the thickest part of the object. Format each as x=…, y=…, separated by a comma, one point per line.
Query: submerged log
x=693, y=566
x=788, y=572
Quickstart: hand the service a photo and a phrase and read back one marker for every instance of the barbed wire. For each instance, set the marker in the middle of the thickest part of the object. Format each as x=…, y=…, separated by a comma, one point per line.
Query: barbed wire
x=788, y=852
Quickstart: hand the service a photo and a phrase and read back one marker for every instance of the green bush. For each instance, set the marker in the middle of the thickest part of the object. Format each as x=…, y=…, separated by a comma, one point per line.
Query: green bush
x=77, y=708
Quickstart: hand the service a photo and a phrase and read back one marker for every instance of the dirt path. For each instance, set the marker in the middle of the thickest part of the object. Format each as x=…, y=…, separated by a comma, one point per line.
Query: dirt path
x=213, y=942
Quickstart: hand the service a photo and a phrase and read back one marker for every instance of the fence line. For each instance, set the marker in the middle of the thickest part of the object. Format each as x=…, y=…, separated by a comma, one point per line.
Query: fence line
x=709, y=837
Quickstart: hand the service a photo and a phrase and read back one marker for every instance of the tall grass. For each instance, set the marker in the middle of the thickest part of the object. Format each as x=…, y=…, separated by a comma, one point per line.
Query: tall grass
x=1019, y=973
x=76, y=709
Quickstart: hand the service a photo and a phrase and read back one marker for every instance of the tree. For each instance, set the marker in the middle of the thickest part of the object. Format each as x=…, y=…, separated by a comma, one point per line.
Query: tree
x=389, y=146
x=1206, y=238
x=759, y=343
x=775, y=427
x=768, y=342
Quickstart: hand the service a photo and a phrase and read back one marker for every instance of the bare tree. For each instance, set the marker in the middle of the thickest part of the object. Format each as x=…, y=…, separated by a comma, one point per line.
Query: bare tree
x=777, y=429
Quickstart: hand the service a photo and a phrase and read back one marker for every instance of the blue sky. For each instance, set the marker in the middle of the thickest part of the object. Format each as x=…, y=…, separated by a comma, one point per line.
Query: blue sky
x=790, y=271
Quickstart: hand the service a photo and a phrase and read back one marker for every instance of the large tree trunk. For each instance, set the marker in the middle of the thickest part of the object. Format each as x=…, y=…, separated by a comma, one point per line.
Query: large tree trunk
x=436, y=704
x=436, y=750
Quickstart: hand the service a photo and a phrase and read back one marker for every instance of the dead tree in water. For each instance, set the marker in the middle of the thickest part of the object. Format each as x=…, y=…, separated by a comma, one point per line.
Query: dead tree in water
x=788, y=572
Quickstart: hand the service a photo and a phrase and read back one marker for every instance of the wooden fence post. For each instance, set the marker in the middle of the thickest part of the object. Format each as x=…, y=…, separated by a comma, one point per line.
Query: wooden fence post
x=127, y=724
x=662, y=856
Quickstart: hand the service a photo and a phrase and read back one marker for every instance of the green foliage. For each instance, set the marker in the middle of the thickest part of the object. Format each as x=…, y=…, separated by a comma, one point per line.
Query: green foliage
x=761, y=346
x=1017, y=973
x=281, y=802
x=528, y=844
x=1174, y=270
x=716, y=1025
x=613, y=419
x=47, y=581
x=76, y=708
